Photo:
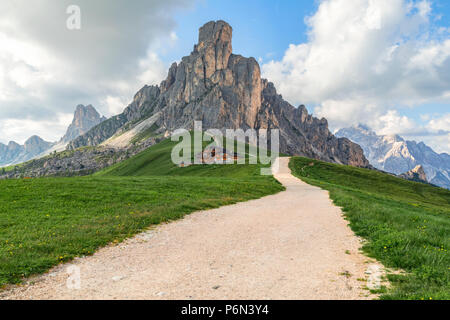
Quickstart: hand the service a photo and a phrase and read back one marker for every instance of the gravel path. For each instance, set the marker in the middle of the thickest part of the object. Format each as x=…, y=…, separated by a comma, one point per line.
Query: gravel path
x=292, y=245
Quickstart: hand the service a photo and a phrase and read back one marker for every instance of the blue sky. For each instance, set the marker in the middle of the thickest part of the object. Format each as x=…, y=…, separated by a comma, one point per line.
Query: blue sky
x=384, y=63
x=262, y=28
x=265, y=29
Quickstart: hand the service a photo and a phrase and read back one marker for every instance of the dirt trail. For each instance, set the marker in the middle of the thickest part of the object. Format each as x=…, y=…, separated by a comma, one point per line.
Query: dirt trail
x=292, y=245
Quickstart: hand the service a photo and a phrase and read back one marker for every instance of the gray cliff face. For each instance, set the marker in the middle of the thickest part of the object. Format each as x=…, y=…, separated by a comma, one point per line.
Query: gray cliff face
x=395, y=155
x=85, y=118
x=225, y=91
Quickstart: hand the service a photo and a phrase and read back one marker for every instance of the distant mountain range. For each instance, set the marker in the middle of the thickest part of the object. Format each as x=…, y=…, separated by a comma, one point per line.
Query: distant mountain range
x=392, y=153
x=85, y=117
x=13, y=152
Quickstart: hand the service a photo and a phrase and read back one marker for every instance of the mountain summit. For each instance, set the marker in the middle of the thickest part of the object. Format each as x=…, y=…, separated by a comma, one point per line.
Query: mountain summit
x=225, y=91
x=15, y=153
x=394, y=154
x=84, y=118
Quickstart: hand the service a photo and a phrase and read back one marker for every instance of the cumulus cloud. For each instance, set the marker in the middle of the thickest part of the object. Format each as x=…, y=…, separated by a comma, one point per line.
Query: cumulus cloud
x=439, y=128
x=364, y=59
x=435, y=132
x=442, y=123
x=22, y=129
x=47, y=69
x=393, y=123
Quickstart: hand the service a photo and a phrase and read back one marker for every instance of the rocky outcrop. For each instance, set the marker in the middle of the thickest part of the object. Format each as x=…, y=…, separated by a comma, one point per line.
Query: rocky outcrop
x=142, y=107
x=99, y=133
x=84, y=119
x=416, y=174
x=35, y=145
x=83, y=161
x=392, y=153
x=225, y=91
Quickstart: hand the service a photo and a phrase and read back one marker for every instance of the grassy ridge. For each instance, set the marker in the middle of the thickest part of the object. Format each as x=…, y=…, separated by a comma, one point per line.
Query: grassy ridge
x=156, y=161
x=407, y=224
x=46, y=221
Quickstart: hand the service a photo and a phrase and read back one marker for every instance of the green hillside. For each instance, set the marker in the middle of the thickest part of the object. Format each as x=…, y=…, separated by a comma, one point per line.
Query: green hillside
x=47, y=221
x=407, y=224
x=156, y=161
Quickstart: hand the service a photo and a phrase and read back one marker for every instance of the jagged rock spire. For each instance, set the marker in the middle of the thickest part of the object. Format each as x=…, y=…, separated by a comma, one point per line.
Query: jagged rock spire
x=85, y=117
x=225, y=91
x=215, y=42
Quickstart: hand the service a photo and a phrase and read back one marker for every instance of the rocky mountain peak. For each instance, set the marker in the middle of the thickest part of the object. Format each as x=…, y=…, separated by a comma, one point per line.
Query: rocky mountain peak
x=36, y=145
x=13, y=145
x=393, y=138
x=214, y=46
x=214, y=32
x=396, y=155
x=363, y=127
x=416, y=174
x=226, y=91
x=85, y=117
x=420, y=171
x=15, y=153
x=33, y=140
x=84, y=114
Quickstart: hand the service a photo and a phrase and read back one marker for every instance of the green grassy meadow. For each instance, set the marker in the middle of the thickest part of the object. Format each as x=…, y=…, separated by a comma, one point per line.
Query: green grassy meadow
x=47, y=221
x=407, y=224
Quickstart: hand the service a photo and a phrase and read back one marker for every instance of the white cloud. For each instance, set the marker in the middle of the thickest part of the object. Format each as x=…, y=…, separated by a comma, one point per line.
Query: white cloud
x=393, y=123
x=440, y=126
x=441, y=123
x=424, y=8
x=115, y=104
x=363, y=60
x=345, y=111
x=46, y=69
x=439, y=143
x=153, y=69
x=20, y=128
x=173, y=36
x=435, y=132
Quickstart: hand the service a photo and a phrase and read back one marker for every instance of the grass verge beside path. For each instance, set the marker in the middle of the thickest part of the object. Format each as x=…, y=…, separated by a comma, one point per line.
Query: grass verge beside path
x=44, y=222
x=407, y=224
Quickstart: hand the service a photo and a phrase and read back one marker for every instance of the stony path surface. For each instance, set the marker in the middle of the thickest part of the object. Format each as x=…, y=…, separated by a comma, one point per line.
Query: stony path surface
x=292, y=245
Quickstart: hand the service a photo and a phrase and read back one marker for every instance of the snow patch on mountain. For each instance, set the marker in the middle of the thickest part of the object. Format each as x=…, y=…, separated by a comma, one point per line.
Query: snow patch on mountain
x=392, y=153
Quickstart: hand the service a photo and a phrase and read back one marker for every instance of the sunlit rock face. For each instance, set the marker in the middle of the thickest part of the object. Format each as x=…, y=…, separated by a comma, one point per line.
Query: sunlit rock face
x=225, y=91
